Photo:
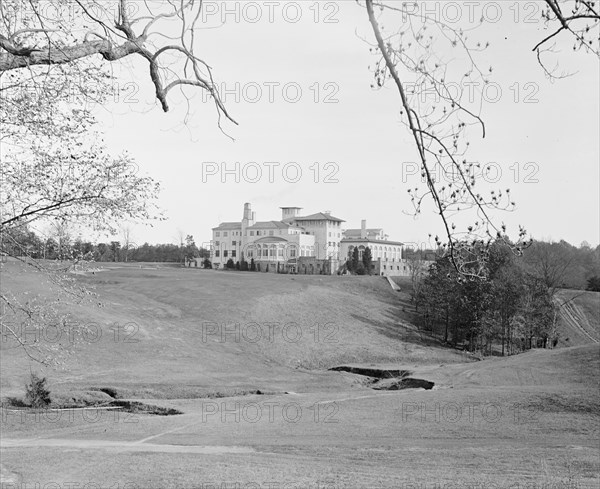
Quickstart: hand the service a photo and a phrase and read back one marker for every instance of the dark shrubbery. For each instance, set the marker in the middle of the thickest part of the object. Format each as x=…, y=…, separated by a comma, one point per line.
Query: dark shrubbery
x=593, y=284
x=36, y=393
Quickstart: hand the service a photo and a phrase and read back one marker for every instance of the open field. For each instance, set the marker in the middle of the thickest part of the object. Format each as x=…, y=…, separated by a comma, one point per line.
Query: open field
x=260, y=407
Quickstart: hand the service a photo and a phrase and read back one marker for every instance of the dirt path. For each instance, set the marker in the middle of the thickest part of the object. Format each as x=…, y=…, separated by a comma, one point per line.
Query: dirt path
x=575, y=316
x=121, y=446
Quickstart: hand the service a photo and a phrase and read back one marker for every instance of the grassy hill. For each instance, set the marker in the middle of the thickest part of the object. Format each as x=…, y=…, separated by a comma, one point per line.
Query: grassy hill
x=530, y=420
x=216, y=329
x=579, y=321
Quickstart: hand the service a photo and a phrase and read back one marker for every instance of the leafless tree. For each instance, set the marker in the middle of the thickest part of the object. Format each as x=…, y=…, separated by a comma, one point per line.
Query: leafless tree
x=127, y=241
x=37, y=35
x=550, y=262
x=576, y=18
x=412, y=58
x=417, y=268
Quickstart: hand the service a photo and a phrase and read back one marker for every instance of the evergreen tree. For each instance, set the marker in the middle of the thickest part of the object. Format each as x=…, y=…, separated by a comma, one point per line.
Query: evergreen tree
x=355, y=259
x=593, y=284
x=367, y=260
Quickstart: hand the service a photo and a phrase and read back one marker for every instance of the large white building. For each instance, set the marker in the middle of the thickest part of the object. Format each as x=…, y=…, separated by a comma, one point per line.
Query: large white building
x=386, y=256
x=314, y=243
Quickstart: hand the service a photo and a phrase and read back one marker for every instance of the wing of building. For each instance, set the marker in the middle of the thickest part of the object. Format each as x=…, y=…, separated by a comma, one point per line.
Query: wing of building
x=311, y=244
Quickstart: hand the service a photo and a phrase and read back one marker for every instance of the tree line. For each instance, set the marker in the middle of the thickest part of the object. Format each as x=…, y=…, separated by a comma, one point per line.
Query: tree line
x=62, y=246
x=510, y=310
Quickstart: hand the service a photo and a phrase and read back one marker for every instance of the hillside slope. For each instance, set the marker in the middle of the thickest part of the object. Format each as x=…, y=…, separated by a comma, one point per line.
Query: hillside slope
x=579, y=321
x=214, y=329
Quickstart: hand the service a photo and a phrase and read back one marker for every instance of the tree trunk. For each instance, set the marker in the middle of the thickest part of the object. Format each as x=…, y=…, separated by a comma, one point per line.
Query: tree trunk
x=447, y=324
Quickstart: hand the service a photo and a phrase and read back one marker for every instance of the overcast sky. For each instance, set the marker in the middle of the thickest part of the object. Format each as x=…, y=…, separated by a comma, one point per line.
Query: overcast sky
x=547, y=150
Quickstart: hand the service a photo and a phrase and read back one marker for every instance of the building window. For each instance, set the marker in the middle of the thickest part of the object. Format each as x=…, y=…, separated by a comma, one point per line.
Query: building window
x=293, y=253
x=217, y=253
x=265, y=252
x=233, y=243
x=217, y=234
x=225, y=254
x=224, y=234
x=251, y=233
x=258, y=233
x=217, y=243
x=280, y=252
x=270, y=233
x=232, y=253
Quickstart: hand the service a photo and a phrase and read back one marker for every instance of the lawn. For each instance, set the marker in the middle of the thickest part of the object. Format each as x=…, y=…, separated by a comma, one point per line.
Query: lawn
x=260, y=407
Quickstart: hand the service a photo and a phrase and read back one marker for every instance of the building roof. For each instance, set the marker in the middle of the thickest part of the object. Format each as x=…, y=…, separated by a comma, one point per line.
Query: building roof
x=269, y=224
x=358, y=231
x=372, y=241
x=319, y=216
x=270, y=239
x=228, y=225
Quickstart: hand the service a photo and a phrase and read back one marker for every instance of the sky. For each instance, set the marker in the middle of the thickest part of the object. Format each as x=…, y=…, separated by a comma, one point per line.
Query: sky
x=299, y=85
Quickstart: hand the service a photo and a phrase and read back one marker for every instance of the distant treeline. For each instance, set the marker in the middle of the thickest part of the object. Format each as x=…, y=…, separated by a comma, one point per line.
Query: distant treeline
x=562, y=265
x=61, y=246
x=558, y=264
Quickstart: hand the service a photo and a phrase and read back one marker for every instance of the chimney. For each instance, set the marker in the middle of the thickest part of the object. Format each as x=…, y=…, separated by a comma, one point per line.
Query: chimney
x=327, y=213
x=247, y=211
x=363, y=229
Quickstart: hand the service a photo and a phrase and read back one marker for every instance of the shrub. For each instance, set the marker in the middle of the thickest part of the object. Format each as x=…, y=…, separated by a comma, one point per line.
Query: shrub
x=244, y=266
x=593, y=284
x=36, y=394
x=206, y=263
x=237, y=265
x=230, y=264
x=252, y=265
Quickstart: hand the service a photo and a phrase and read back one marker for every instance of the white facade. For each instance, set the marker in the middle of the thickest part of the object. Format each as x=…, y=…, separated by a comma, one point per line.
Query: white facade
x=281, y=244
x=317, y=235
